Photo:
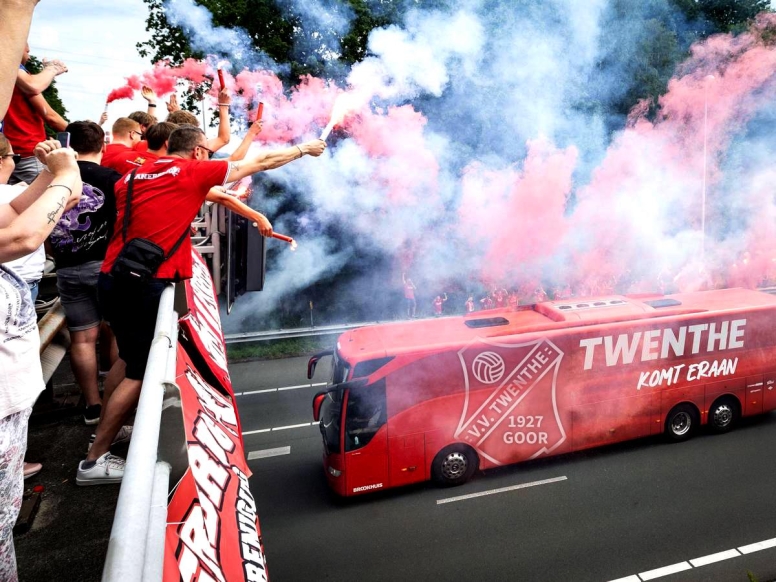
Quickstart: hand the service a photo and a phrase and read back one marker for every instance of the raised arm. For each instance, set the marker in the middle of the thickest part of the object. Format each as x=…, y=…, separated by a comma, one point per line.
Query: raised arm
x=224, y=131
x=245, y=144
x=53, y=119
x=218, y=196
x=36, y=84
x=275, y=159
x=27, y=231
x=14, y=29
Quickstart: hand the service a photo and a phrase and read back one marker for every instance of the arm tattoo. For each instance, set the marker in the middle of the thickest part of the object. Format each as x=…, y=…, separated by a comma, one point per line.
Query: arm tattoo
x=52, y=216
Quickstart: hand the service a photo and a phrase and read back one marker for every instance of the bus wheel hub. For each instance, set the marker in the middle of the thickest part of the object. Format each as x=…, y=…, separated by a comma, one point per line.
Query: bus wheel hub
x=454, y=465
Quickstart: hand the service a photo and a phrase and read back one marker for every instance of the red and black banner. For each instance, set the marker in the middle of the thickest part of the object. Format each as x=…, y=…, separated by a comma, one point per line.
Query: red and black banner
x=212, y=526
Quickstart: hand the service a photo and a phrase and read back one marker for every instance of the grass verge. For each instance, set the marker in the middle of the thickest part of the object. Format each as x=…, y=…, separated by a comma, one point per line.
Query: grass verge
x=284, y=348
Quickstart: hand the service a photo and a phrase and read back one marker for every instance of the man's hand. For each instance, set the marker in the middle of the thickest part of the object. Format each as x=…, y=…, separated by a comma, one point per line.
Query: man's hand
x=58, y=66
x=172, y=104
x=224, y=98
x=255, y=128
x=148, y=94
x=313, y=148
x=265, y=226
x=58, y=159
x=103, y=118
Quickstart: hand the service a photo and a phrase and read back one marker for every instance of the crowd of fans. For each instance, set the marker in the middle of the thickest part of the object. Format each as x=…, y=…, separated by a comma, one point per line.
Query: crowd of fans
x=93, y=205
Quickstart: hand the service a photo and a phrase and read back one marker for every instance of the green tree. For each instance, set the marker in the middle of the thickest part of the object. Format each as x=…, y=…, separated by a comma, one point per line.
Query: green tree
x=723, y=15
x=277, y=33
x=34, y=65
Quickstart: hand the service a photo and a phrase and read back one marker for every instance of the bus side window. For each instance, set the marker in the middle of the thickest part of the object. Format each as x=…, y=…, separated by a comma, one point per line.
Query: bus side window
x=365, y=415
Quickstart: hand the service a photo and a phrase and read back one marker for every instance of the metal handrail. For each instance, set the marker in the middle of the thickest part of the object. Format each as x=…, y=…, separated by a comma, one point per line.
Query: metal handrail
x=142, y=483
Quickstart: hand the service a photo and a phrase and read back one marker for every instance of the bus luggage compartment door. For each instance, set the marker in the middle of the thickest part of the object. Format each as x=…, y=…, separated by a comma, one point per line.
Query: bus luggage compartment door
x=769, y=392
x=753, y=399
x=406, y=456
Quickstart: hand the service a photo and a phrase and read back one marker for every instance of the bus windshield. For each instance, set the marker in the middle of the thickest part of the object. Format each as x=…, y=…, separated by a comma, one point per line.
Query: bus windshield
x=331, y=413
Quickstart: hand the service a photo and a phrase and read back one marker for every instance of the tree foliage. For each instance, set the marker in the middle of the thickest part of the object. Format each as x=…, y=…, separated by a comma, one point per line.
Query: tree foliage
x=278, y=33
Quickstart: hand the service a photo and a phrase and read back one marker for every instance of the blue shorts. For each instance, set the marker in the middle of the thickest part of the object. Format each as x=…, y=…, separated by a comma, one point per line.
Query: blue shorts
x=78, y=294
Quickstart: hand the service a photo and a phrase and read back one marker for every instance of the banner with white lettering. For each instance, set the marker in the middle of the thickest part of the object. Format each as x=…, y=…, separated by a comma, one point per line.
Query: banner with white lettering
x=202, y=325
x=200, y=328
x=212, y=527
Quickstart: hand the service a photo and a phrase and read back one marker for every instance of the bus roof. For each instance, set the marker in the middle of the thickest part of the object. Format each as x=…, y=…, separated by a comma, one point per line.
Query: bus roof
x=377, y=341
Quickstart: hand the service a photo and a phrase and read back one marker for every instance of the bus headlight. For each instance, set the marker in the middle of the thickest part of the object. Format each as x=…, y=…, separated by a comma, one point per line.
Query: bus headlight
x=334, y=472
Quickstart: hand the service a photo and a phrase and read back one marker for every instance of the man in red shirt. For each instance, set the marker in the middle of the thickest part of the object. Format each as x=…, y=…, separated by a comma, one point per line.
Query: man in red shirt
x=181, y=180
x=23, y=124
x=119, y=154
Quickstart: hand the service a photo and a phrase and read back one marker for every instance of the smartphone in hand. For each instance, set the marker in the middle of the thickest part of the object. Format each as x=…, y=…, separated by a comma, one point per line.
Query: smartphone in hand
x=63, y=137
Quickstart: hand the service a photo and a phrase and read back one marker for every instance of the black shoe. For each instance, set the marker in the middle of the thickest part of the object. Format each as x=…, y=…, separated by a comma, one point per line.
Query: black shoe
x=92, y=414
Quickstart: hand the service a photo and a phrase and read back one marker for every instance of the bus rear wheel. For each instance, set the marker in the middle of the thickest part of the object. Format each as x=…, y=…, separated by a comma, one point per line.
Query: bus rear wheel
x=723, y=415
x=681, y=422
x=454, y=465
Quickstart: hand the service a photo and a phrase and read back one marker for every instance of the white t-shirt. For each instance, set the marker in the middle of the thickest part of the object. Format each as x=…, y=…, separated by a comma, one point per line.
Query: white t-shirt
x=21, y=376
x=29, y=267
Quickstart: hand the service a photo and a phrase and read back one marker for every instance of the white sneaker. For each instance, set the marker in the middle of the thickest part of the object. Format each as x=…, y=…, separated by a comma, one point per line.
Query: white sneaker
x=123, y=436
x=107, y=469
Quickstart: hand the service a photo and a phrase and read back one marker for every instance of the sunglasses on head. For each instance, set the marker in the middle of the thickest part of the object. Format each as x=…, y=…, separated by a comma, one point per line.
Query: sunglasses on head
x=16, y=157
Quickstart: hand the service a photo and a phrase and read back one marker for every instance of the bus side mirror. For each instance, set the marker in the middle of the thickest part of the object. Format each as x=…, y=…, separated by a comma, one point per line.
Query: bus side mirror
x=317, y=401
x=313, y=362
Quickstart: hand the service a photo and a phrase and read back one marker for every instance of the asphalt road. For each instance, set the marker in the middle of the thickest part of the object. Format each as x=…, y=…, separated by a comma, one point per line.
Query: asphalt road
x=636, y=511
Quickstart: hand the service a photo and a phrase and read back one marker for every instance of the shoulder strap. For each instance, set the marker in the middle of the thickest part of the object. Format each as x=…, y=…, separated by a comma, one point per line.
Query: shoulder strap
x=178, y=243
x=125, y=225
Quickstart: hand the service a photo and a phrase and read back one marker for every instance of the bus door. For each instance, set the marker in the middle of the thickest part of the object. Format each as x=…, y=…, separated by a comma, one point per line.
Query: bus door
x=366, y=439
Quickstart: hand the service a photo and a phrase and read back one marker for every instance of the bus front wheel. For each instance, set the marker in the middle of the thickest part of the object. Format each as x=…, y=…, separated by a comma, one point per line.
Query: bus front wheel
x=681, y=422
x=454, y=465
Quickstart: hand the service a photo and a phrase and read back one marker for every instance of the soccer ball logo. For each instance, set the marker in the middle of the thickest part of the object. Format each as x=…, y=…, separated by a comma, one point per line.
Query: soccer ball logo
x=488, y=367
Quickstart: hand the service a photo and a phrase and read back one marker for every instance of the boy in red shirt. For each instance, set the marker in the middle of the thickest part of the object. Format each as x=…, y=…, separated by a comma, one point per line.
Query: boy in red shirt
x=119, y=154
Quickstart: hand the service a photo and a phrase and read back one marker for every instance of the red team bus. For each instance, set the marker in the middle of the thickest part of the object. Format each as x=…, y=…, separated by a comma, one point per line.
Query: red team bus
x=438, y=399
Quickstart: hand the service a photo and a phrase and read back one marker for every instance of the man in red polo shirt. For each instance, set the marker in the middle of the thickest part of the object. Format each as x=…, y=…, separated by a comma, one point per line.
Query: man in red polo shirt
x=23, y=124
x=181, y=181
x=119, y=154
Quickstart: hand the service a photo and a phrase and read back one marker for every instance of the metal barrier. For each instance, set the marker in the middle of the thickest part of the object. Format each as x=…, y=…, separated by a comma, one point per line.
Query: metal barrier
x=258, y=336
x=136, y=547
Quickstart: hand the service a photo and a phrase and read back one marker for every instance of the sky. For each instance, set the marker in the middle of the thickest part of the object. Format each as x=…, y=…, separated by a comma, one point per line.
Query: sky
x=97, y=42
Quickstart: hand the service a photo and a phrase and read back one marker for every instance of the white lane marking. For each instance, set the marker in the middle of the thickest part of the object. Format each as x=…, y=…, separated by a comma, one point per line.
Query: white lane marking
x=698, y=562
x=247, y=432
x=281, y=389
x=501, y=490
x=711, y=558
x=266, y=453
x=293, y=426
x=665, y=571
x=764, y=545
x=261, y=430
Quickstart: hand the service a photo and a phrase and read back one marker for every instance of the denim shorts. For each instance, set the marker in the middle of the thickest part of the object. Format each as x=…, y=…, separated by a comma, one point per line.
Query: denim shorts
x=78, y=294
